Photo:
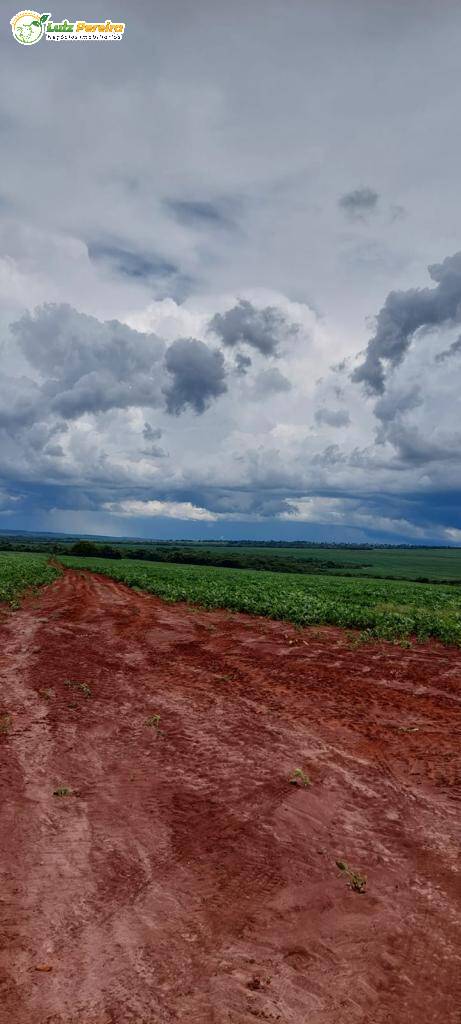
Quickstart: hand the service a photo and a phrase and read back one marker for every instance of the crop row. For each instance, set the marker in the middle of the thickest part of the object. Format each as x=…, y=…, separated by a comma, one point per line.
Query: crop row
x=389, y=609
x=19, y=572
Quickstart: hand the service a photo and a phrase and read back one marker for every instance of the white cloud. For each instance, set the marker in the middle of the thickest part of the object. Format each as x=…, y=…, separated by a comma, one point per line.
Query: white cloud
x=454, y=535
x=154, y=509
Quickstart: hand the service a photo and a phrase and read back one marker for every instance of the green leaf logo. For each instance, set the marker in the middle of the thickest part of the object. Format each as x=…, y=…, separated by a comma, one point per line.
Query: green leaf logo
x=43, y=18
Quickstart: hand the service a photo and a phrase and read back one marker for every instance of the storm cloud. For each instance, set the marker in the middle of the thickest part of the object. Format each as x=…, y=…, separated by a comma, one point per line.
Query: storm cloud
x=448, y=353
x=83, y=365
x=403, y=314
x=262, y=329
x=359, y=203
x=198, y=375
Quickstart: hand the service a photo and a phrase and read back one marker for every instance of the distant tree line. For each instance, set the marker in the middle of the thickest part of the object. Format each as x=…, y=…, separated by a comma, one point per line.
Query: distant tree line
x=195, y=556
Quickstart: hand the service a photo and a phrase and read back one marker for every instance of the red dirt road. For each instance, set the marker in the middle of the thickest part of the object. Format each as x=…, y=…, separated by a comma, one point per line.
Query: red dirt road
x=185, y=879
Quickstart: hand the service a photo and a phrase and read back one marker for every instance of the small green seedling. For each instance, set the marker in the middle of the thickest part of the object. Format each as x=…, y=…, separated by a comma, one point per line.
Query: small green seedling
x=357, y=881
x=5, y=724
x=62, y=791
x=299, y=778
x=83, y=687
x=154, y=722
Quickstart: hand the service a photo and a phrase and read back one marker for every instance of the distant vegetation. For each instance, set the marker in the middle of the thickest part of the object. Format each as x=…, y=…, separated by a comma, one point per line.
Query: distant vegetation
x=424, y=565
x=198, y=555
x=380, y=608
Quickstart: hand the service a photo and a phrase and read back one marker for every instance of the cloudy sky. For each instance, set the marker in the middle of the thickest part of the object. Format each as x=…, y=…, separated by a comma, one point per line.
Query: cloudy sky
x=230, y=273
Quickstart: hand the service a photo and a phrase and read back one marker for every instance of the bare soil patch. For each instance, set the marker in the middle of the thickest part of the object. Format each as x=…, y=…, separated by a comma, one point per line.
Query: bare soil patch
x=163, y=869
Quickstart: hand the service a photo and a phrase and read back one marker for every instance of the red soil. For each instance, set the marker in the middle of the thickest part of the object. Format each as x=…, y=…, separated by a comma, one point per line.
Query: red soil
x=185, y=879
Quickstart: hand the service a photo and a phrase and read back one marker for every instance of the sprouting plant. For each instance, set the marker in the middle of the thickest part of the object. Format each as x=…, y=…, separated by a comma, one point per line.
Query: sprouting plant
x=5, y=723
x=357, y=881
x=364, y=637
x=83, y=687
x=154, y=722
x=62, y=791
x=300, y=778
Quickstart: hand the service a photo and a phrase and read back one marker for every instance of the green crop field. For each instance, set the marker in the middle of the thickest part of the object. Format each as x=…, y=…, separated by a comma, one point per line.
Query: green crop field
x=423, y=564
x=381, y=608
x=20, y=571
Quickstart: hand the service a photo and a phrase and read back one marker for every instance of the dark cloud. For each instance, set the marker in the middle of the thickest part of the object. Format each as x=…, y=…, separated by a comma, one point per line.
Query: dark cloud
x=151, y=433
x=101, y=390
x=155, y=451
x=330, y=456
x=43, y=436
x=413, y=448
x=403, y=314
x=263, y=329
x=87, y=365
x=199, y=213
x=242, y=363
x=65, y=345
x=359, y=203
x=235, y=501
x=395, y=403
x=19, y=398
x=130, y=263
x=198, y=375
x=332, y=417
x=164, y=277
x=448, y=353
x=56, y=451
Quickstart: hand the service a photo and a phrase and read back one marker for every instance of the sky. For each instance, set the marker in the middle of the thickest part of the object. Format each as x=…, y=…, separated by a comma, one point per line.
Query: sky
x=230, y=273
